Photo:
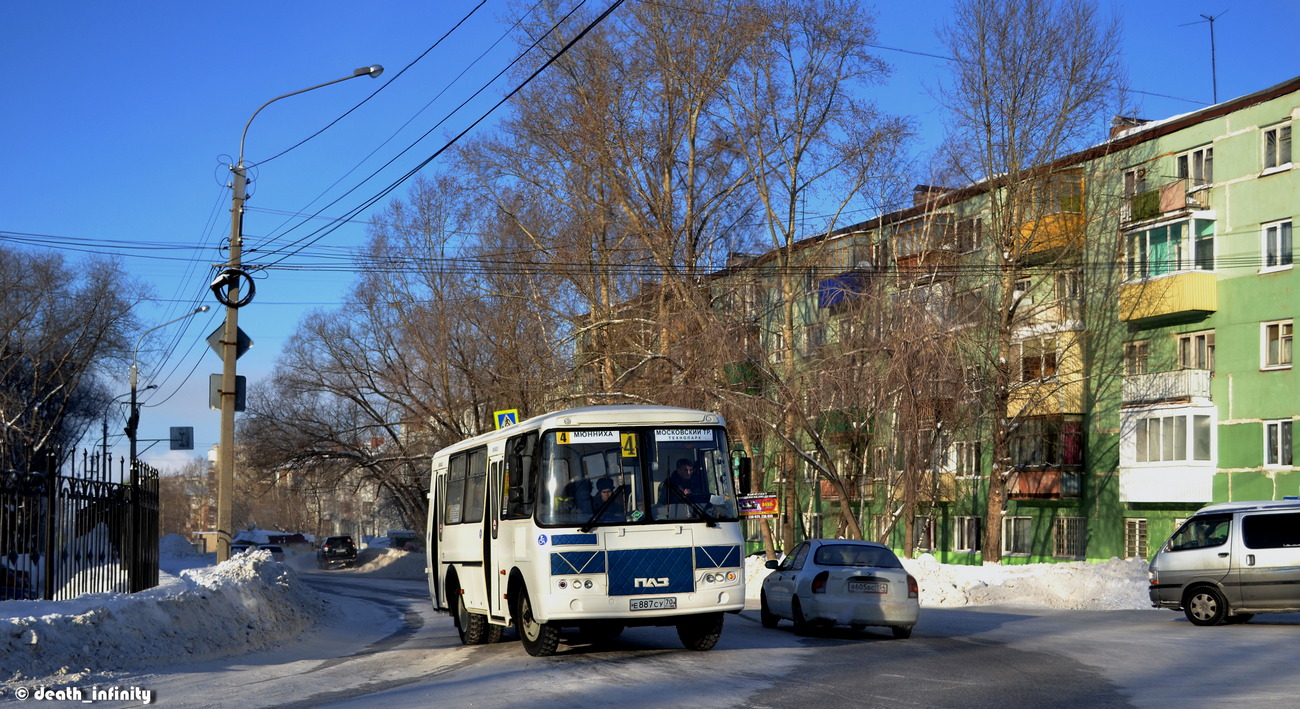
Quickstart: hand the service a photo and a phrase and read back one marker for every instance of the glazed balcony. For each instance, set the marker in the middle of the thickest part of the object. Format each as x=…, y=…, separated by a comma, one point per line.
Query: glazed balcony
x=1187, y=484
x=1185, y=294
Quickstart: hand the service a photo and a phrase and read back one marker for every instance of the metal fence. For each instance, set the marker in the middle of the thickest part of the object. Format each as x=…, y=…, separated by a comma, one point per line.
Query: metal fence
x=84, y=524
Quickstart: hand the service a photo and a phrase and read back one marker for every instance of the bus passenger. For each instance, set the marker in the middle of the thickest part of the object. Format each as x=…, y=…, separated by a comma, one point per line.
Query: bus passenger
x=613, y=511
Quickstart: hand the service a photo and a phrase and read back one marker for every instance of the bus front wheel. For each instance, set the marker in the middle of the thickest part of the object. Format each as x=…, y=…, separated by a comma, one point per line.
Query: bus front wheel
x=700, y=632
x=539, y=639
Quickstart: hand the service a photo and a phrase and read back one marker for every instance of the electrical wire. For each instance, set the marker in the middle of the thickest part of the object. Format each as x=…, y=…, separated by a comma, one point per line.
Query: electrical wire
x=315, y=236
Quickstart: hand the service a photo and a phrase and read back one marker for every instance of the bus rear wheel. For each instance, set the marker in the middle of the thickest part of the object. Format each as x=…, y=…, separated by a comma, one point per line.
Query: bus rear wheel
x=700, y=632
x=539, y=639
x=472, y=627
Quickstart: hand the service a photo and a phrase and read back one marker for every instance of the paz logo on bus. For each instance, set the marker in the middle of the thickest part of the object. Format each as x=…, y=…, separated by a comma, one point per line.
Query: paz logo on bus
x=641, y=582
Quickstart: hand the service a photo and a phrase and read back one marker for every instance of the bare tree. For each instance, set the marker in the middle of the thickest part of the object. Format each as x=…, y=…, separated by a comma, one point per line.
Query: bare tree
x=1032, y=82
x=616, y=167
x=804, y=136
x=431, y=342
x=65, y=327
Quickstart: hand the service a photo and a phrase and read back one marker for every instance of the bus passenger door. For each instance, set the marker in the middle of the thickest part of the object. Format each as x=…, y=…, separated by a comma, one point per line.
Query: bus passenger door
x=433, y=556
x=494, y=555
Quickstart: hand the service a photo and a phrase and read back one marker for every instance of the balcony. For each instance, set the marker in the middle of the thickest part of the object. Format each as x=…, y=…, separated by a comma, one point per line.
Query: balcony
x=839, y=291
x=1179, y=385
x=1186, y=294
x=1053, y=484
x=1166, y=199
x=1051, y=215
x=1052, y=233
x=928, y=486
x=1186, y=484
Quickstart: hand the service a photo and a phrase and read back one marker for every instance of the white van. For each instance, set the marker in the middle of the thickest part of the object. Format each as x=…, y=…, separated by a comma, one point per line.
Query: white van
x=1230, y=561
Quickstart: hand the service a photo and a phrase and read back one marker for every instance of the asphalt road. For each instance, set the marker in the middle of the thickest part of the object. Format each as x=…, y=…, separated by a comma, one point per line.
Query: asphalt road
x=392, y=651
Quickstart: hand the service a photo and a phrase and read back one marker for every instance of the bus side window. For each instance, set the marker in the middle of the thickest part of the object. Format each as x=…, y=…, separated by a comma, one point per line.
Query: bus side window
x=455, y=497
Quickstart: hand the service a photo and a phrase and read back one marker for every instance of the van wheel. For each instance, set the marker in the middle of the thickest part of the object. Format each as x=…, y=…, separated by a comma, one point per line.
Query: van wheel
x=472, y=627
x=539, y=639
x=700, y=632
x=902, y=632
x=1204, y=605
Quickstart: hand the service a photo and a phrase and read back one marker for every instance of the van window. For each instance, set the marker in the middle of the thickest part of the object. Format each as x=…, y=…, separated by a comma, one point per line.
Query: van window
x=1271, y=531
x=1202, y=532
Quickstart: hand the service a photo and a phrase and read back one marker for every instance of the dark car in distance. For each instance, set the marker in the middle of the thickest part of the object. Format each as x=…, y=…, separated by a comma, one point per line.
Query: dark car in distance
x=336, y=551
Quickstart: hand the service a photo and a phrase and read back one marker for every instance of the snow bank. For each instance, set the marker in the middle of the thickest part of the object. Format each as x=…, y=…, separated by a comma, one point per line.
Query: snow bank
x=390, y=563
x=247, y=603
x=1113, y=585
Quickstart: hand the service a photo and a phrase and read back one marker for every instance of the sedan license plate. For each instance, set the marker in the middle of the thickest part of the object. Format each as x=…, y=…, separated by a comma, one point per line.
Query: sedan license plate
x=653, y=604
x=868, y=586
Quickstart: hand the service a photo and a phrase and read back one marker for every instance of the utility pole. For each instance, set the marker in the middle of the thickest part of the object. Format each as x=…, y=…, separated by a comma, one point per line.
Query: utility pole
x=228, y=280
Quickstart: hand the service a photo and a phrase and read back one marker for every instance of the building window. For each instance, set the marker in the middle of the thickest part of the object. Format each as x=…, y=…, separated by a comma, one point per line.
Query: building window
x=968, y=458
x=966, y=534
x=1196, y=350
x=1277, y=246
x=969, y=234
x=1277, y=444
x=1163, y=439
x=1135, y=357
x=1186, y=245
x=1135, y=183
x=1197, y=167
x=1020, y=291
x=1016, y=535
x=1277, y=146
x=1276, y=345
x=1047, y=442
x=923, y=533
x=1135, y=538
x=1067, y=538
x=814, y=339
x=1037, y=359
x=1069, y=284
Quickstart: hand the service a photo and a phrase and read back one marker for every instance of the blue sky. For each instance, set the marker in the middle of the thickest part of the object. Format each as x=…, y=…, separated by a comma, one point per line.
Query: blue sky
x=120, y=117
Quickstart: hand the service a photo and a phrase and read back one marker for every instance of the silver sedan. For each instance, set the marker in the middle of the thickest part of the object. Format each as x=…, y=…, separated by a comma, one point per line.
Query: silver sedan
x=825, y=582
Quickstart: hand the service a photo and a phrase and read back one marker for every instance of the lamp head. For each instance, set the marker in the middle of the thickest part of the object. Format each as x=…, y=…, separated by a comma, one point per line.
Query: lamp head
x=374, y=70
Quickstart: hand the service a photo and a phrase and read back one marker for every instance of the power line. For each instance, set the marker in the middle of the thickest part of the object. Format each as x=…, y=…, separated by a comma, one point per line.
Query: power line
x=325, y=231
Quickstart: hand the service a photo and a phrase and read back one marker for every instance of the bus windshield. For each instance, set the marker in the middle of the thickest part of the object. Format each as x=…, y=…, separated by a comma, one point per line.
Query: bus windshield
x=634, y=475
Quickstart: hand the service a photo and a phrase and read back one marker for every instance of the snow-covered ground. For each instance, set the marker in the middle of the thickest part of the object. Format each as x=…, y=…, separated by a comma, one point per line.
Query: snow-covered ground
x=201, y=610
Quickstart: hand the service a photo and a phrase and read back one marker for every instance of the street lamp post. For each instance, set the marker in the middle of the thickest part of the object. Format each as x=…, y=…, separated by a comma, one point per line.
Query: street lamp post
x=229, y=279
x=132, y=554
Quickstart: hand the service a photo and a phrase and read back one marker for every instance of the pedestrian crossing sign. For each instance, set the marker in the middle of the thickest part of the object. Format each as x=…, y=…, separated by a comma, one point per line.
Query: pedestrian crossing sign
x=509, y=417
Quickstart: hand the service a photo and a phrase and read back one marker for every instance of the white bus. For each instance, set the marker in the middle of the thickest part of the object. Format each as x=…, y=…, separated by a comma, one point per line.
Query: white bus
x=595, y=518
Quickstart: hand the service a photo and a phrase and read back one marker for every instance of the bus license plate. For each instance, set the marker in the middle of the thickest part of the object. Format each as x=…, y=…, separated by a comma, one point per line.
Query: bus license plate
x=654, y=604
x=868, y=587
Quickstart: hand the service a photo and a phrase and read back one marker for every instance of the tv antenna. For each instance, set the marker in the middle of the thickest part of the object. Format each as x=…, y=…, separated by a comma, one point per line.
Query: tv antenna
x=1214, y=73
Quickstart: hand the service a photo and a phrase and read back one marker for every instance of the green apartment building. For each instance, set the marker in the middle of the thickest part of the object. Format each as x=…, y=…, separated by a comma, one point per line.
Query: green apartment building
x=1151, y=376
x=1210, y=394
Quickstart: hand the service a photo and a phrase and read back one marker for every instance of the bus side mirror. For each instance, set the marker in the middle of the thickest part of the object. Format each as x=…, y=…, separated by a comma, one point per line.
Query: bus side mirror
x=743, y=471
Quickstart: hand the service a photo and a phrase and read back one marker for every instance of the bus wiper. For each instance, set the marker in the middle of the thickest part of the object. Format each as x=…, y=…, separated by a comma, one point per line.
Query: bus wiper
x=592, y=523
x=709, y=519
